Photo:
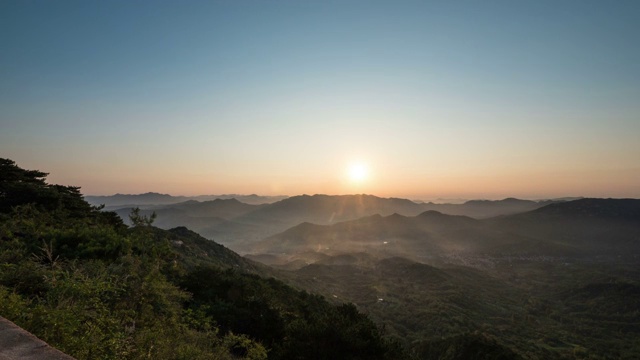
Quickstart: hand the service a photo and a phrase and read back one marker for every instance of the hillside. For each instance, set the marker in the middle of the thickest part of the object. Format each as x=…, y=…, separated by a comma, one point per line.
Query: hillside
x=518, y=308
x=442, y=286
x=197, y=216
x=591, y=226
x=82, y=281
x=526, y=280
x=481, y=209
x=425, y=237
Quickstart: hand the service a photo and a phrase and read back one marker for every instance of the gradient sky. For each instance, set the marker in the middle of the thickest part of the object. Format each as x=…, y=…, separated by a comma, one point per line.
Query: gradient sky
x=453, y=99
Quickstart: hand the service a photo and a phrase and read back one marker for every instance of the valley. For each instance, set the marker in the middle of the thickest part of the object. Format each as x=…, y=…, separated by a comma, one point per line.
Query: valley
x=553, y=280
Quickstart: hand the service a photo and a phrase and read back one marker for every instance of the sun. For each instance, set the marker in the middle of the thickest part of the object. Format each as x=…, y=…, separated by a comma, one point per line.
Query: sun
x=358, y=172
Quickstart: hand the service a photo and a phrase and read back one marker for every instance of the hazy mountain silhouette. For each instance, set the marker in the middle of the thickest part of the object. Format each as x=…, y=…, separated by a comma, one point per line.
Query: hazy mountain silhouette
x=529, y=279
x=532, y=305
x=577, y=228
x=589, y=208
x=319, y=209
x=151, y=198
x=240, y=232
x=239, y=225
x=222, y=208
x=197, y=216
x=559, y=281
x=481, y=209
x=592, y=226
x=420, y=237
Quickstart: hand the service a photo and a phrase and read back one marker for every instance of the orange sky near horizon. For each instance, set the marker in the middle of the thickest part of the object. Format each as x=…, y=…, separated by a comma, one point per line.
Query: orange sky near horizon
x=379, y=181
x=470, y=100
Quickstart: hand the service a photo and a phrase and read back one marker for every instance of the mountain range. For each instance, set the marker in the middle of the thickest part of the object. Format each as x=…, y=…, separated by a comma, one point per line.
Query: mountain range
x=239, y=225
x=535, y=280
x=585, y=227
x=149, y=199
x=512, y=277
x=529, y=279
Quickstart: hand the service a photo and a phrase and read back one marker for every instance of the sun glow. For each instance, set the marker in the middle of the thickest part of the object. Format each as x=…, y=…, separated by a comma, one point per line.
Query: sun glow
x=358, y=172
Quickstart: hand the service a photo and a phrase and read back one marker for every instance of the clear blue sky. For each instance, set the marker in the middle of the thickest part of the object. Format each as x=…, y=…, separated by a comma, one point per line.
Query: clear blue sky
x=475, y=99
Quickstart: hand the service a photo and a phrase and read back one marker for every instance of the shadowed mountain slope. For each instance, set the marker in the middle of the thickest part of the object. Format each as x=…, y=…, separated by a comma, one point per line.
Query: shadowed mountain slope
x=198, y=216
x=581, y=227
x=465, y=347
x=191, y=250
x=594, y=226
x=481, y=209
x=415, y=301
x=514, y=308
x=426, y=235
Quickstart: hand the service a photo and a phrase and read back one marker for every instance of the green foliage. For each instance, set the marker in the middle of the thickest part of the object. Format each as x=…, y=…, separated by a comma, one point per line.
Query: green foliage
x=291, y=323
x=243, y=347
x=465, y=347
x=338, y=332
x=138, y=219
x=19, y=186
x=62, y=203
x=539, y=309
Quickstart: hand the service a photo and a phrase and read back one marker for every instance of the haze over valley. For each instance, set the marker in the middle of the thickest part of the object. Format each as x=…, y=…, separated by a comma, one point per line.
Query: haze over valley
x=523, y=272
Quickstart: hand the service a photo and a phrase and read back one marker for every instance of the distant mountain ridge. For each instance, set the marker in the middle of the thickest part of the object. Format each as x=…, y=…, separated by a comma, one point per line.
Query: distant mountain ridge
x=424, y=235
x=152, y=198
x=330, y=209
x=539, y=274
x=482, y=209
x=239, y=225
x=579, y=227
x=622, y=209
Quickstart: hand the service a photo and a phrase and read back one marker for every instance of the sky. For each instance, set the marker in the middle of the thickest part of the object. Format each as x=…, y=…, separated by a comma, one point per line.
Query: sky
x=418, y=99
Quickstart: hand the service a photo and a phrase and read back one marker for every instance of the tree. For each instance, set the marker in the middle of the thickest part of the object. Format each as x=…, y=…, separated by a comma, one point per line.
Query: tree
x=19, y=186
x=138, y=219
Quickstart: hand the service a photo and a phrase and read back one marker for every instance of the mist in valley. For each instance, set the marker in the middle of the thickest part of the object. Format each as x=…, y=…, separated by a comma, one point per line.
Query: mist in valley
x=527, y=273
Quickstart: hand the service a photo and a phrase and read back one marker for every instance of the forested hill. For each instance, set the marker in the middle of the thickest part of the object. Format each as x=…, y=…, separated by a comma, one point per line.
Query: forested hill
x=87, y=284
